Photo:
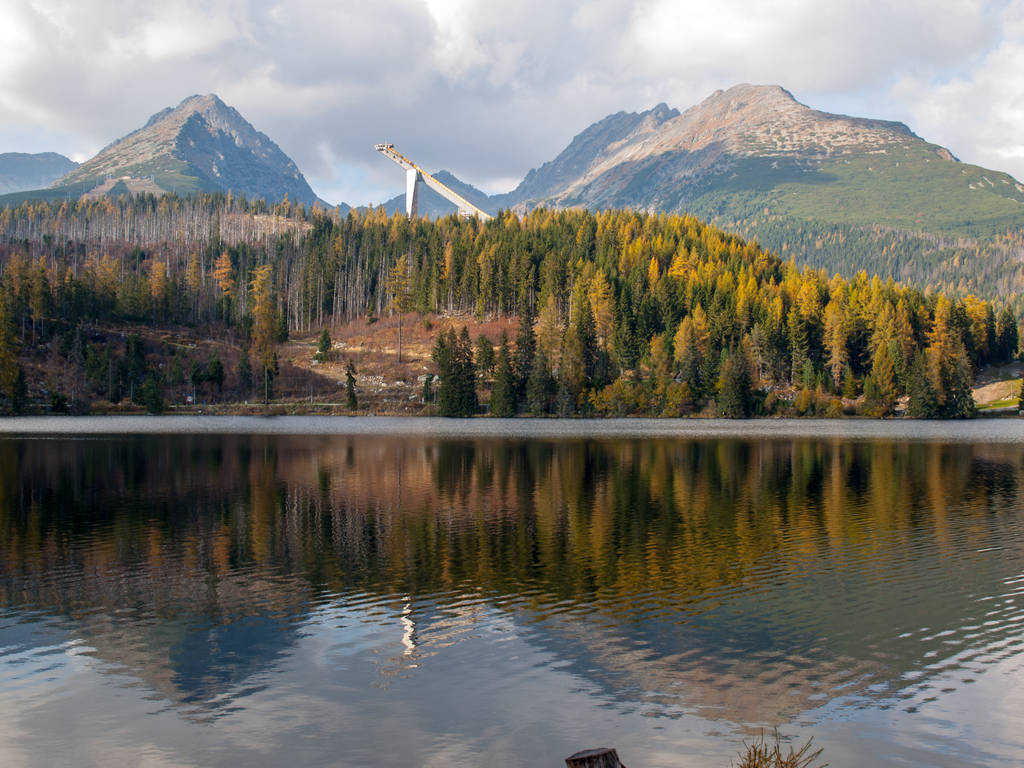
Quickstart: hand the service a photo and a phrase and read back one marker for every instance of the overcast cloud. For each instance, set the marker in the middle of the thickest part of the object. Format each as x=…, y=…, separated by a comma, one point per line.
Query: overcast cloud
x=491, y=88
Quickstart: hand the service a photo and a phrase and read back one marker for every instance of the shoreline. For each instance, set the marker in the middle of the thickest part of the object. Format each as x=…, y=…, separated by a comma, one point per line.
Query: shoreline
x=974, y=430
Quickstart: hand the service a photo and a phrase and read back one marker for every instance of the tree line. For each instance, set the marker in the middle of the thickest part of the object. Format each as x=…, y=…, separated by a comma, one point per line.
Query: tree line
x=617, y=312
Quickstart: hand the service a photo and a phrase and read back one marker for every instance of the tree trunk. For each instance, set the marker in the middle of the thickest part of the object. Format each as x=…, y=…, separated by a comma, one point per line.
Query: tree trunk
x=594, y=758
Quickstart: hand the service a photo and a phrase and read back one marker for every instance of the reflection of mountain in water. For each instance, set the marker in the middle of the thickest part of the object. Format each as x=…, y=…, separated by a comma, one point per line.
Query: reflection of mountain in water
x=747, y=580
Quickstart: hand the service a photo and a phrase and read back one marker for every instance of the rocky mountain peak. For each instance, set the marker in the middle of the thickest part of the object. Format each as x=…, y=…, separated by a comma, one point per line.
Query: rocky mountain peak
x=659, y=159
x=201, y=144
x=766, y=120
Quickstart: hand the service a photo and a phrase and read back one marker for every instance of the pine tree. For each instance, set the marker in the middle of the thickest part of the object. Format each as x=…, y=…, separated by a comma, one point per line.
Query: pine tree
x=958, y=385
x=849, y=384
x=152, y=395
x=923, y=403
x=503, y=396
x=873, y=399
x=468, y=402
x=540, y=388
x=215, y=371
x=485, y=359
x=526, y=349
x=453, y=354
x=323, y=347
x=281, y=328
x=799, y=345
x=735, y=396
x=1007, y=335
x=176, y=376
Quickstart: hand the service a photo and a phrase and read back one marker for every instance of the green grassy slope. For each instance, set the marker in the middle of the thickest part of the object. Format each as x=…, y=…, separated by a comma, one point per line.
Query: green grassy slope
x=907, y=189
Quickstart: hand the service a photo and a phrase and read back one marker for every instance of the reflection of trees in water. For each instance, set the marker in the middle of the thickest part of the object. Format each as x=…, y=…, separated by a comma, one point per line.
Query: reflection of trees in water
x=670, y=553
x=570, y=517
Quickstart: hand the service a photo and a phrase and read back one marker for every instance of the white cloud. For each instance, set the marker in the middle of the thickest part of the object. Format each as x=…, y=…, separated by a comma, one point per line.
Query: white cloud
x=978, y=113
x=490, y=89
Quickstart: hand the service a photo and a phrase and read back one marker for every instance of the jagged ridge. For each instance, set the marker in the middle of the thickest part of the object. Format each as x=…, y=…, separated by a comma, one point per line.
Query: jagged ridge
x=201, y=145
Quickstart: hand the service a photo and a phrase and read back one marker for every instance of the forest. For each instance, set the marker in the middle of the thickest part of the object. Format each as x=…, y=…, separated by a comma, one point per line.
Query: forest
x=615, y=313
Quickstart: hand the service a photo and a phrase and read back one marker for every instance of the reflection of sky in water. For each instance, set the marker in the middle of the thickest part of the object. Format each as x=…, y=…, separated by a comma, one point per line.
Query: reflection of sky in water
x=476, y=690
x=492, y=610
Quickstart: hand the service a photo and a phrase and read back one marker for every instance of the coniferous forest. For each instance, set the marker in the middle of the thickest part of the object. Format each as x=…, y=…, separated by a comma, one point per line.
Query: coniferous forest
x=614, y=313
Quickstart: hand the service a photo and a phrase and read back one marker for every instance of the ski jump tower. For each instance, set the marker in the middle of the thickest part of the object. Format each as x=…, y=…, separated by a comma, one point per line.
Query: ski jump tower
x=414, y=174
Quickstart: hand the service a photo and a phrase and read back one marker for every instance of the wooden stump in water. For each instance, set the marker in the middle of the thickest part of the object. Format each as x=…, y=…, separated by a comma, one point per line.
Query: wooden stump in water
x=594, y=758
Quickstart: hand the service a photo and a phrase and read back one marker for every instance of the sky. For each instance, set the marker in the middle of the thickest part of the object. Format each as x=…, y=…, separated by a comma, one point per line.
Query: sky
x=489, y=89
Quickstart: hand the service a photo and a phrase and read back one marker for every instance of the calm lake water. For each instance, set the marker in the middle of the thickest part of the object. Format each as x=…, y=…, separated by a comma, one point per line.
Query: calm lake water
x=385, y=592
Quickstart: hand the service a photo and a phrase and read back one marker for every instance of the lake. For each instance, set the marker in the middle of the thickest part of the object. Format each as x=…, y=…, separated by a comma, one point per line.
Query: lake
x=382, y=592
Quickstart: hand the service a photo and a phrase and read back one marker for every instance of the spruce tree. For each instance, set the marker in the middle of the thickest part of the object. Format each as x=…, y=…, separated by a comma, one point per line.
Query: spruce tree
x=323, y=347
x=503, y=396
x=526, y=350
x=873, y=398
x=540, y=388
x=735, y=400
x=688, y=358
x=799, y=345
x=1007, y=335
x=215, y=371
x=958, y=384
x=849, y=384
x=152, y=395
x=923, y=403
x=453, y=354
x=466, y=374
x=484, y=357
x=443, y=357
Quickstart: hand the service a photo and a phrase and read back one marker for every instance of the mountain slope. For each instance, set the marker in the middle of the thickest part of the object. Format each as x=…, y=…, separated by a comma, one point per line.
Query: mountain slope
x=20, y=171
x=755, y=149
x=200, y=145
x=589, y=150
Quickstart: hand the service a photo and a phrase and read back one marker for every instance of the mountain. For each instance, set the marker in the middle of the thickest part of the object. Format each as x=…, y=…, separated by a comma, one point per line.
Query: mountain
x=756, y=150
x=201, y=145
x=832, y=191
x=20, y=171
x=586, y=151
